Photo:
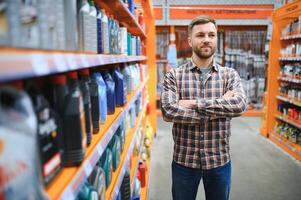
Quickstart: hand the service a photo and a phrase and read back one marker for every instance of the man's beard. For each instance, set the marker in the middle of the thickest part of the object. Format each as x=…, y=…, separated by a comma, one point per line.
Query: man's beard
x=204, y=55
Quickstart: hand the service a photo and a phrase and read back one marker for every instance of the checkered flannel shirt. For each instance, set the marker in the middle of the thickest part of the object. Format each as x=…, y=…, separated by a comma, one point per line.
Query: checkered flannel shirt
x=201, y=135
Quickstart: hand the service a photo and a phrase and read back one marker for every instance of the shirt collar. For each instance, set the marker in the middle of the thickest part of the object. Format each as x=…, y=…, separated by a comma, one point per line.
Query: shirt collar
x=192, y=65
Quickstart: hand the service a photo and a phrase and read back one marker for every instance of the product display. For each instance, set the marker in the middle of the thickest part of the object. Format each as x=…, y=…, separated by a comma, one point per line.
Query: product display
x=288, y=132
x=70, y=140
x=284, y=90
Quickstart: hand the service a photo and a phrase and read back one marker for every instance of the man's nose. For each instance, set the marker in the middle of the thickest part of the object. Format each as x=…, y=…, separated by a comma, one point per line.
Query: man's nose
x=206, y=39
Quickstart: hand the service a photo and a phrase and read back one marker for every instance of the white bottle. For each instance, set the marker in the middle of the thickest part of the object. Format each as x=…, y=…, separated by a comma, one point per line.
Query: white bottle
x=105, y=33
x=93, y=28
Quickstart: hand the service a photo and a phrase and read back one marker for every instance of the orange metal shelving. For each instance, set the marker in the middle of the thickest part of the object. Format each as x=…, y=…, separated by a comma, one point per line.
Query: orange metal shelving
x=281, y=18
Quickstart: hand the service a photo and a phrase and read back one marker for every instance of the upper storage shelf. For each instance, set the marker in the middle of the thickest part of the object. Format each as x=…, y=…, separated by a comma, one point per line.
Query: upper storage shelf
x=123, y=15
x=21, y=63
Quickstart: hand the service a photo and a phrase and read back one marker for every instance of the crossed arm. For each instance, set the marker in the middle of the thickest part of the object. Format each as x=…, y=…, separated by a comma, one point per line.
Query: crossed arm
x=231, y=104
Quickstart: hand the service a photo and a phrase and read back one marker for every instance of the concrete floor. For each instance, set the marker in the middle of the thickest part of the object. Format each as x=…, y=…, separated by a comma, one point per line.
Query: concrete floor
x=260, y=170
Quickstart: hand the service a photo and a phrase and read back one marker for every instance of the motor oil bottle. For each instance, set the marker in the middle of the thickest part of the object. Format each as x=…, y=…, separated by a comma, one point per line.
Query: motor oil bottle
x=115, y=148
x=48, y=133
x=126, y=187
x=102, y=92
x=105, y=33
x=19, y=159
x=110, y=92
x=120, y=93
x=93, y=27
x=98, y=181
x=107, y=165
x=95, y=108
x=99, y=30
x=75, y=138
x=84, y=87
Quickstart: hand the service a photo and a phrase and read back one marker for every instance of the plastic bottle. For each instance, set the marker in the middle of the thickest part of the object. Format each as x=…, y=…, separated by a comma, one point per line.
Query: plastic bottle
x=20, y=167
x=70, y=11
x=105, y=33
x=85, y=89
x=102, y=92
x=126, y=187
x=75, y=139
x=115, y=148
x=93, y=27
x=48, y=133
x=127, y=77
x=120, y=92
x=99, y=30
x=110, y=92
x=95, y=105
x=107, y=166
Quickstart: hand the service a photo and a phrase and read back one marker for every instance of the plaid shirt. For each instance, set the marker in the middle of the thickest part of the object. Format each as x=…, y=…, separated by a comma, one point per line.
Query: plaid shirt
x=201, y=135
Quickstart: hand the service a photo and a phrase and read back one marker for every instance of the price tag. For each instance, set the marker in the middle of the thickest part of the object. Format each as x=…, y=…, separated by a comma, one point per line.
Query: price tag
x=84, y=60
x=68, y=194
x=88, y=168
x=71, y=61
x=99, y=149
x=60, y=63
x=39, y=65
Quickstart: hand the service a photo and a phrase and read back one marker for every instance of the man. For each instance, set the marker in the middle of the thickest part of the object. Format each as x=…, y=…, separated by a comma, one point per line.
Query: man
x=200, y=98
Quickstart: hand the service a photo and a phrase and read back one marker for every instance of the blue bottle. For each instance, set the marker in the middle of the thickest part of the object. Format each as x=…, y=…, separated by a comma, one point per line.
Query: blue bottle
x=120, y=88
x=102, y=94
x=110, y=92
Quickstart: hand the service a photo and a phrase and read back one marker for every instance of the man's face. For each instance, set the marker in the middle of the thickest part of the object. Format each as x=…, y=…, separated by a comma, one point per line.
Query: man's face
x=203, y=40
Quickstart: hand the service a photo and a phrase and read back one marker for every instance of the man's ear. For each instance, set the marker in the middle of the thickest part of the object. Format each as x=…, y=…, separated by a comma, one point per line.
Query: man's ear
x=189, y=41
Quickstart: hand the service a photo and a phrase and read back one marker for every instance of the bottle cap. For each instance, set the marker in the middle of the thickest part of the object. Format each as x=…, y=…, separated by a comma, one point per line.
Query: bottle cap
x=58, y=79
x=72, y=75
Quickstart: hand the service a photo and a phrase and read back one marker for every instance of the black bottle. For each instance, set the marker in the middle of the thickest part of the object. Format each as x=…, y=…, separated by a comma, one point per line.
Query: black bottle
x=75, y=140
x=84, y=87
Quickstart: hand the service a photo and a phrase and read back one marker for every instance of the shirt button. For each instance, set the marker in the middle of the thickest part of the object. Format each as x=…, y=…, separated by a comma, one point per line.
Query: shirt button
x=202, y=136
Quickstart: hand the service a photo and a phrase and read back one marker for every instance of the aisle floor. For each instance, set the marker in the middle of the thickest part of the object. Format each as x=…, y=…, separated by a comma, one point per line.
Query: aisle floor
x=260, y=170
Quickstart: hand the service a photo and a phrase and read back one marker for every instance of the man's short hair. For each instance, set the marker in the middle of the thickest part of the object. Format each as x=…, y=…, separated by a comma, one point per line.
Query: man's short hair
x=203, y=19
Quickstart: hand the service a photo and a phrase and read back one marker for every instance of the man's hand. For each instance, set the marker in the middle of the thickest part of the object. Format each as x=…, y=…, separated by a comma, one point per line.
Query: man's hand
x=187, y=103
x=228, y=94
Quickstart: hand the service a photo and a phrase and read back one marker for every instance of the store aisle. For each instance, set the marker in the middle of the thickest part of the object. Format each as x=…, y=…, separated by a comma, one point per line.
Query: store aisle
x=261, y=171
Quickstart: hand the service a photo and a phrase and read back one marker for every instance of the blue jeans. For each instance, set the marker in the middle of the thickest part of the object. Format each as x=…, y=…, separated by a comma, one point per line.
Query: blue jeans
x=185, y=182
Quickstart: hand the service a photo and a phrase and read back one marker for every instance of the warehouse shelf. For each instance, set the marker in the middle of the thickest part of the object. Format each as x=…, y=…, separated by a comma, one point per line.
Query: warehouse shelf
x=290, y=58
x=291, y=37
x=293, y=122
x=289, y=79
x=123, y=15
x=287, y=99
x=68, y=182
x=282, y=18
x=117, y=177
x=293, y=149
x=24, y=63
